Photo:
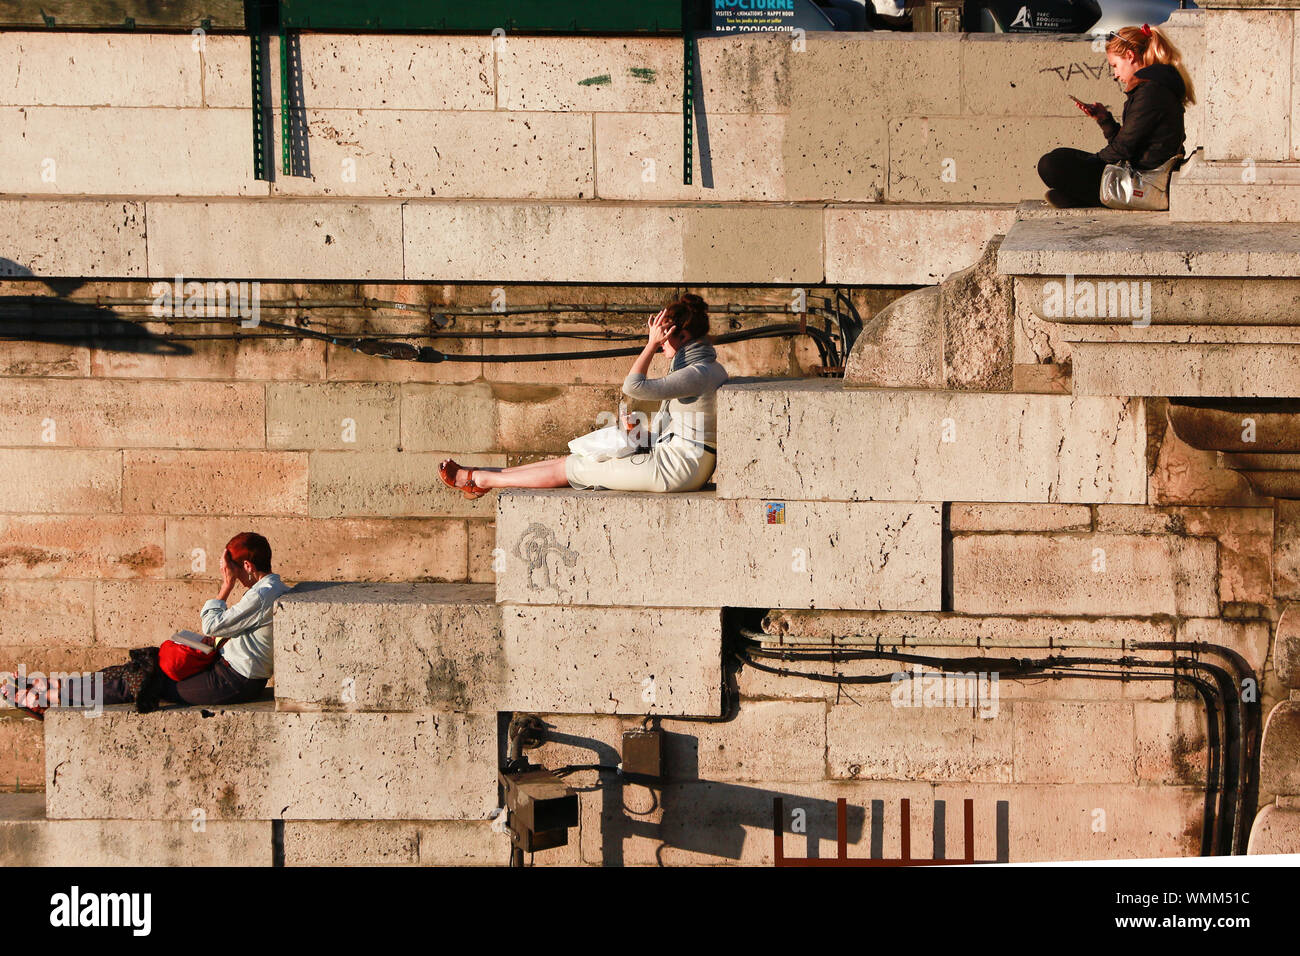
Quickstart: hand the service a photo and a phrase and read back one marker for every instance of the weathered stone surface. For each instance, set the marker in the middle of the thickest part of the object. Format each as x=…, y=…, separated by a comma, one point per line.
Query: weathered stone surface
x=1186, y=475
x=320, y=549
x=837, y=143
x=62, y=480
x=614, y=242
x=613, y=660
x=908, y=244
x=214, y=482
x=249, y=762
x=1191, y=308
x=82, y=546
x=1031, y=75
x=35, y=237
x=967, y=632
x=389, y=647
x=1228, y=370
x=956, y=158
x=395, y=843
x=1170, y=742
x=533, y=418
x=1148, y=245
x=370, y=71
x=471, y=154
x=1102, y=574
x=391, y=483
x=1060, y=742
x=47, y=612
x=977, y=315
x=1081, y=821
x=1244, y=536
x=353, y=417
x=1286, y=647
x=1235, y=190
x=281, y=239
x=70, y=68
x=902, y=347
x=639, y=157
x=621, y=548
x=27, y=838
x=1275, y=830
x=1012, y=517
x=1279, y=750
x=737, y=750
x=248, y=358
x=22, y=750
x=114, y=414
x=1260, y=132
x=449, y=418
x=47, y=152
x=140, y=613
x=878, y=740
x=816, y=439
x=1286, y=549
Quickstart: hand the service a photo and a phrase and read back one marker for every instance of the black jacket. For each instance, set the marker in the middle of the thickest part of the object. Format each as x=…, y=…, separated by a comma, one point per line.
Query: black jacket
x=1152, y=130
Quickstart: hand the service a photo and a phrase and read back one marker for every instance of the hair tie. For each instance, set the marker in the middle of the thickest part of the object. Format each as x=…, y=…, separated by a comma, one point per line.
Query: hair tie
x=1146, y=30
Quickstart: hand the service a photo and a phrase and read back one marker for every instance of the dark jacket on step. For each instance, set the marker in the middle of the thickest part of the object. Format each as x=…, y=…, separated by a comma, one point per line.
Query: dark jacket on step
x=1152, y=130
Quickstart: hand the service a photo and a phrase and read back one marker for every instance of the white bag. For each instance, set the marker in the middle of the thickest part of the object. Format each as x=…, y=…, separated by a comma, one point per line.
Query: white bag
x=604, y=443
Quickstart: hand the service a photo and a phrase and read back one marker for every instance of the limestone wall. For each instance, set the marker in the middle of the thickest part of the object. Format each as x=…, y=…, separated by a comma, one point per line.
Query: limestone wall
x=863, y=158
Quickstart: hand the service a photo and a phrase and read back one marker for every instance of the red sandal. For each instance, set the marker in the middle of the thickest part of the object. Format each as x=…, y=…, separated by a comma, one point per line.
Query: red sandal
x=448, y=471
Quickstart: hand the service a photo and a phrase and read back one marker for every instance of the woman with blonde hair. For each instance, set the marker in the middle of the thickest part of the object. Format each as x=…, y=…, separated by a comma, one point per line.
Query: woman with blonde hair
x=1149, y=68
x=683, y=453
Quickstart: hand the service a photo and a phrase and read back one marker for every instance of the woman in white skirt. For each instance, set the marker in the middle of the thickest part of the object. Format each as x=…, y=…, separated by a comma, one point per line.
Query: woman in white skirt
x=684, y=430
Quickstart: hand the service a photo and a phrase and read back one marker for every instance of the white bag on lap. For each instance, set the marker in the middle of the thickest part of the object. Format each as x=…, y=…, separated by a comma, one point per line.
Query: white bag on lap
x=604, y=443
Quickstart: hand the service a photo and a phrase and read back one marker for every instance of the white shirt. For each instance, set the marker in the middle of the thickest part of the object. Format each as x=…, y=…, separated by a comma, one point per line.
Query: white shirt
x=248, y=625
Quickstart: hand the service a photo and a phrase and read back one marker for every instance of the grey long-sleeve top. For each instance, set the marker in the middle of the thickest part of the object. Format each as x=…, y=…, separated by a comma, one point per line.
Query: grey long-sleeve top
x=688, y=405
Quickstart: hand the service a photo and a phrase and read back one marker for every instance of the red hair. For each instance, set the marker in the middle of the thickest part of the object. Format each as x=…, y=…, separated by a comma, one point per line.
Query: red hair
x=1148, y=45
x=250, y=546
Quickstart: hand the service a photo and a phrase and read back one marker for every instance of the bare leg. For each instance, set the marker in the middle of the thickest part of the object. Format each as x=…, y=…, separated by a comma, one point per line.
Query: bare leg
x=537, y=474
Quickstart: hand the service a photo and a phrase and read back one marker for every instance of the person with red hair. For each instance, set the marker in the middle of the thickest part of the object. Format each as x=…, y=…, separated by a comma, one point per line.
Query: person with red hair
x=242, y=633
x=1157, y=89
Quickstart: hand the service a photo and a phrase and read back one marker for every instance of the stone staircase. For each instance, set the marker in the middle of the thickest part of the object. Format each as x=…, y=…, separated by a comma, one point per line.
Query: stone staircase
x=949, y=522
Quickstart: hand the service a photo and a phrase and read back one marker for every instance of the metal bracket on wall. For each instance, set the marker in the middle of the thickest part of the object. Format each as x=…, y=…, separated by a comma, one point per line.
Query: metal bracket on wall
x=688, y=101
x=255, y=48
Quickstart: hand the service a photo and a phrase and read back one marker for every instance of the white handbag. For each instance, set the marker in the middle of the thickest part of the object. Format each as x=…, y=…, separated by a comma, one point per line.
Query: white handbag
x=1123, y=186
x=612, y=441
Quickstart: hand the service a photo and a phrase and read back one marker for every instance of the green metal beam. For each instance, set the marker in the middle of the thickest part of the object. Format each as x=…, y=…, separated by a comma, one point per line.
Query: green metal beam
x=483, y=16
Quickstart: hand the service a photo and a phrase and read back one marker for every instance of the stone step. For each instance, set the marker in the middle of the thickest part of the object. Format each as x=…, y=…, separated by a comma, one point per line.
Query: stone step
x=389, y=238
x=612, y=660
x=1212, y=370
x=814, y=439
x=439, y=648
x=29, y=838
x=388, y=647
x=1149, y=244
x=698, y=549
x=249, y=762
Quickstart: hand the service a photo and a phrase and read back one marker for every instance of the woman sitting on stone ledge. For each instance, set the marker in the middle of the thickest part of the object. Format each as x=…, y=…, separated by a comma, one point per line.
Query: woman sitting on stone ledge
x=1156, y=89
x=682, y=454
x=244, y=655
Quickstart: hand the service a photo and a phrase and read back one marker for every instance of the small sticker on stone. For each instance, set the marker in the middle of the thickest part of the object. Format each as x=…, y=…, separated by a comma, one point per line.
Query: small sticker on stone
x=775, y=512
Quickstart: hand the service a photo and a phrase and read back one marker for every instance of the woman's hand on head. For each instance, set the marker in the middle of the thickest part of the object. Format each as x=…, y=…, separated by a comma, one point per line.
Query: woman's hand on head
x=227, y=569
x=659, y=328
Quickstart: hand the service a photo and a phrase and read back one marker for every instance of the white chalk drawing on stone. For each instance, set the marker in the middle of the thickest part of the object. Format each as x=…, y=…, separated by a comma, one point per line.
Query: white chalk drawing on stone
x=534, y=546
